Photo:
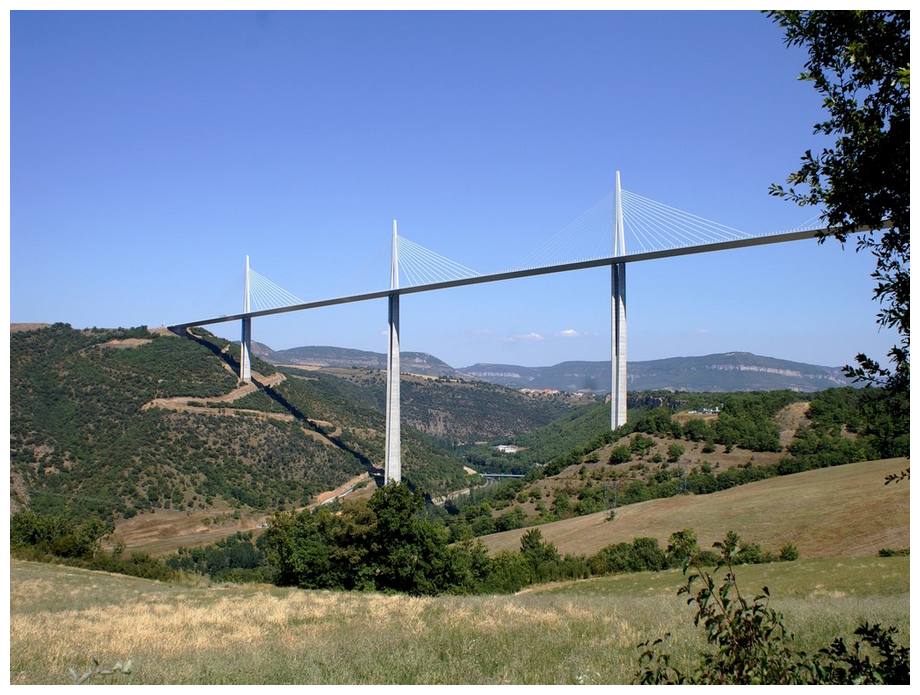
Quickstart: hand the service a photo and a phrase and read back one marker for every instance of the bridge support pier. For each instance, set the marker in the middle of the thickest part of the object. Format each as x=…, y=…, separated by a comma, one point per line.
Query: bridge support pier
x=618, y=320
x=246, y=337
x=392, y=458
x=246, y=352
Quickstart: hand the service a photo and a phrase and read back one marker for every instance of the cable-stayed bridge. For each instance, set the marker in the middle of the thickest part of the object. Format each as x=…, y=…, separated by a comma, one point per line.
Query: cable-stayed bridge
x=636, y=228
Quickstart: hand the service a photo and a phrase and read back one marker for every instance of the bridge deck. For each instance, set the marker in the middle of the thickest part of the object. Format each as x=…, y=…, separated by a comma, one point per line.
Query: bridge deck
x=528, y=272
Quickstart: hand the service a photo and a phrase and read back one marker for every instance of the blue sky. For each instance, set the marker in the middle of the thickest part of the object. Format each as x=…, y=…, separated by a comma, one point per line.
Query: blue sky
x=151, y=151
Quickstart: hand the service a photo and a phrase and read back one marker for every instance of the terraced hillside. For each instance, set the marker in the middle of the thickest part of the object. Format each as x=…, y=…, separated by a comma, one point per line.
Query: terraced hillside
x=125, y=421
x=117, y=422
x=82, y=439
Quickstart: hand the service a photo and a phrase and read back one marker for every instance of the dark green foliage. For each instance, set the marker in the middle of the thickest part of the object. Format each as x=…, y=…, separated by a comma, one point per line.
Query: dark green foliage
x=57, y=535
x=237, y=558
x=682, y=547
x=134, y=564
x=538, y=553
x=640, y=444
x=64, y=540
x=788, y=553
x=859, y=62
x=843, y=664
x=82, y=445
x=385, y=544
x=894, y=552
x=508, y=572
x=675, y=451
x=697, y=430
x=620, y=454
x=749, y=643
x=640, y=555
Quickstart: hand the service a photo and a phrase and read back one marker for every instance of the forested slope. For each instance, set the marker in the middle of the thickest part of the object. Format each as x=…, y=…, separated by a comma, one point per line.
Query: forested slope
x=82, y=441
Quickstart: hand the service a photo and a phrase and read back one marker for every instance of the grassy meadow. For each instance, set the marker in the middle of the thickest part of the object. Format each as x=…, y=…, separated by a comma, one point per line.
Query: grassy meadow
x=575, y=632
x=828, y=512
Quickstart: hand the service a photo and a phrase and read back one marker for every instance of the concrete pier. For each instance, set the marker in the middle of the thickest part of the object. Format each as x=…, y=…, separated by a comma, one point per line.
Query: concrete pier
x=618, y=319
x=246, y=337
x=393, y=459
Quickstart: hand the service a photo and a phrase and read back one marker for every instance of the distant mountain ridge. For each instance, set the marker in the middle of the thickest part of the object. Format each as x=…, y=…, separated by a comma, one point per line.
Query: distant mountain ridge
x=328, y=356
x=727, y=371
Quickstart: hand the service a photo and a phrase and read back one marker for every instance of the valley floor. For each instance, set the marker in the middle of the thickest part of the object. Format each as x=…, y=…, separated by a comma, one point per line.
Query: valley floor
x=577, y=632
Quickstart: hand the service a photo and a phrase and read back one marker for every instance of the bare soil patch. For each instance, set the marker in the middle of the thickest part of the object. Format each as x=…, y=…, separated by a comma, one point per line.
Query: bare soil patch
x=20, y=327
x=790, y=419
x=126, y=343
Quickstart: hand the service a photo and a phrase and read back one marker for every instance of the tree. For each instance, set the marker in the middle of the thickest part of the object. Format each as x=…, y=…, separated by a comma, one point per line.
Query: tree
x=675, y=451
x=859, y=62
x=538, y=552
x=620, y=454
x=682, y=547
x=408, y=552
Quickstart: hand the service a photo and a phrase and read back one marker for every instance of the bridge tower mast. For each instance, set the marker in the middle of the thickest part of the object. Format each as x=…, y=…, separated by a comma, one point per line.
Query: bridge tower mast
x=246, y=338
x=618, y=319
x=392, y=461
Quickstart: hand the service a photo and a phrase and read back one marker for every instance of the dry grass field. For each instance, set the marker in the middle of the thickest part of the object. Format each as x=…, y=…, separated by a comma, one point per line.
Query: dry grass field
x=841, y=511
x=581, y=632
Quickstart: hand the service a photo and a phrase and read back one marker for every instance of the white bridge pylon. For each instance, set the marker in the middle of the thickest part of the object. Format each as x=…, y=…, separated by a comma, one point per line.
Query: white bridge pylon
x=654, y=231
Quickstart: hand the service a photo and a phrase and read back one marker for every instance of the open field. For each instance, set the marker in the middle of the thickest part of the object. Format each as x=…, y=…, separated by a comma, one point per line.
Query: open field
x=583, y=632
x=845, y=510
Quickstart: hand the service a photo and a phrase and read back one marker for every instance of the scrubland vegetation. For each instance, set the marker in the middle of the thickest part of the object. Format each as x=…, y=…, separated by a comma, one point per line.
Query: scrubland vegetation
x=648, y=456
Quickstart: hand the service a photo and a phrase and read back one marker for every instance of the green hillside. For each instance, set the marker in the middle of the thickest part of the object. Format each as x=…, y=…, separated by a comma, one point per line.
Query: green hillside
x=82, y=440
x=449, y=410
x=577, y=465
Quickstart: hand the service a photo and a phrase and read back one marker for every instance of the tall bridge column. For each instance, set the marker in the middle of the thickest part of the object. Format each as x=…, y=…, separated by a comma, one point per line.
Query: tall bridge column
x=618, y=320
x=392, y=460
x=246, y=337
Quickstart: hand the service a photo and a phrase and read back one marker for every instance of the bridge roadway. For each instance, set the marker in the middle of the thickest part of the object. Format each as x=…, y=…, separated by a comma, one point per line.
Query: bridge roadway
x=527, y=272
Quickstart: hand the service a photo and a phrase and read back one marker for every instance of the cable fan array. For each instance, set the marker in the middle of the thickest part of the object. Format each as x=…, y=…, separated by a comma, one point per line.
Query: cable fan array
x=648, y=226
x=265, y=294
x=421, y=266
x=588, y=236
x=653, y=226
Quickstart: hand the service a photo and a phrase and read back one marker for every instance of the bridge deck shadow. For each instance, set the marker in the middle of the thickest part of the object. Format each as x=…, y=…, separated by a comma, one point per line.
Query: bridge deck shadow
x=225, y=355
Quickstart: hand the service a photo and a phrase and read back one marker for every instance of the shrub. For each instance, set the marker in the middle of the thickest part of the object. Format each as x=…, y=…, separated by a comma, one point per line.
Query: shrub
x=642, y=554
x=788, y=552
x=682, y=547
x=675, y=451
x=57, y=535
x=892, y=552
x=508, y=572
x=749, y=642
x=620, y=454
